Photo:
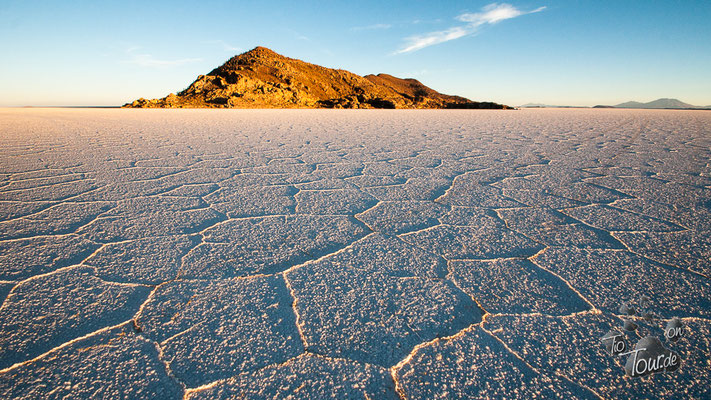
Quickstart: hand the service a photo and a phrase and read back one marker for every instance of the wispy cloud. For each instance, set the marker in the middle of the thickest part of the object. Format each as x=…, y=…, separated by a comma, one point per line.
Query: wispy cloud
x=490, y=14
x=225, y=46
x=417, y=73
x=373, y=27
x=147, y=60
x=297, y=35
x=494, y=13
x=426, y=21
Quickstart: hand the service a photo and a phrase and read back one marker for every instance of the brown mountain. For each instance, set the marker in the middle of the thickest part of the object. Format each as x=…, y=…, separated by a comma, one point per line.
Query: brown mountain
x=261, y=78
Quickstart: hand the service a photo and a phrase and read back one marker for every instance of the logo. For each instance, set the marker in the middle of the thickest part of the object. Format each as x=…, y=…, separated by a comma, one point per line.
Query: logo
x=649, y=355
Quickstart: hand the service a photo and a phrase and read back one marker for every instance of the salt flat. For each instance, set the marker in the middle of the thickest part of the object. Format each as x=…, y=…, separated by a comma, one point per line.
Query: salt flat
x=349, y=254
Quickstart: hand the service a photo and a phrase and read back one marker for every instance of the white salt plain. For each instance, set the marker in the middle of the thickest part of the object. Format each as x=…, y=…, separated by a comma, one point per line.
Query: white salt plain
x=349, y=254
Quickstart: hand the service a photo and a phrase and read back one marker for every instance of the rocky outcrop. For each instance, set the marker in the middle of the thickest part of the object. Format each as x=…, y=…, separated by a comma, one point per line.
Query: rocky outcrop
x=261, y=78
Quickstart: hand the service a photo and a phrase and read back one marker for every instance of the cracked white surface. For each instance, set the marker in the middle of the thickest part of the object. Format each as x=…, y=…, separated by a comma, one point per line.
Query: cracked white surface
x=110, y=364
x=308, y=377
x=474, y=365
x=348, y=254
x=43, y=312
x=208, y=330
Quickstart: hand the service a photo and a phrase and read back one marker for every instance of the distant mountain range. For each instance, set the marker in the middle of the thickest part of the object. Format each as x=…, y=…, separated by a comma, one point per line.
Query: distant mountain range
x=261, y=78
x=663, y=103
x=656, y=104
x=540, y=105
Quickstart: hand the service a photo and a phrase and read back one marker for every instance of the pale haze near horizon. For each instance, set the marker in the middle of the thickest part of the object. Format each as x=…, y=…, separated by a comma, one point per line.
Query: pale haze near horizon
x=562, y=53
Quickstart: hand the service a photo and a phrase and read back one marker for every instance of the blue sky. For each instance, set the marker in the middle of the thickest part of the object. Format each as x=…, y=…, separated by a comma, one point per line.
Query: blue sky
x=543, y=51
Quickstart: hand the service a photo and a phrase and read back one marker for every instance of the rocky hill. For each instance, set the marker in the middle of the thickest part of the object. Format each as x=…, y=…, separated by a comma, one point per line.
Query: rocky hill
x=261, y=78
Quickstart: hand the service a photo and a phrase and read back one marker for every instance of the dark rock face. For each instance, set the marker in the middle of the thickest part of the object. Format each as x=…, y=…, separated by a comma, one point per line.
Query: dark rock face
x=261, y=78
